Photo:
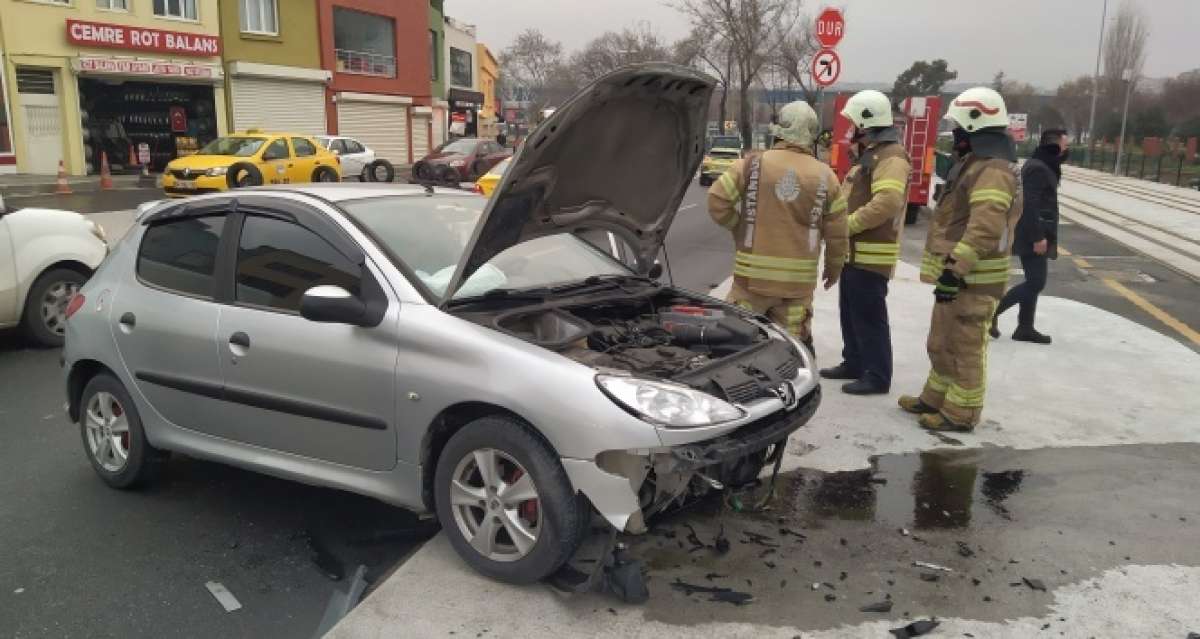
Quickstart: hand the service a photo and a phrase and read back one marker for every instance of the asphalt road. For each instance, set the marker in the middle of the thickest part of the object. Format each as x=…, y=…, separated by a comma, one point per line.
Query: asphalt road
x=82, y=560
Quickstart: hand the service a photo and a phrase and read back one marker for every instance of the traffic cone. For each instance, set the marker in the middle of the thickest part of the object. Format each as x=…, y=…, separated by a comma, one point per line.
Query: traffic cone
x=106, y=182
x=62, y=188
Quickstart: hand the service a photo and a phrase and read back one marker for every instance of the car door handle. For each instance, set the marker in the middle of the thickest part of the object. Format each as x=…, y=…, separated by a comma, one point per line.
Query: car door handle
x=128, y=319
x=240, y=339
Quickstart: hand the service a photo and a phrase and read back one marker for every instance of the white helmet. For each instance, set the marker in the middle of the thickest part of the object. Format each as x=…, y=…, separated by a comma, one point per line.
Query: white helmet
x=797, y=124
x=978, y=108
x=868, y=109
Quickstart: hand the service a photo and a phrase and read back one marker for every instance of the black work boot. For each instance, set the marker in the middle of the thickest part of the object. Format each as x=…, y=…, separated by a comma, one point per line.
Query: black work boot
x=865, y=386
x=1030, y=334
x=841, y=371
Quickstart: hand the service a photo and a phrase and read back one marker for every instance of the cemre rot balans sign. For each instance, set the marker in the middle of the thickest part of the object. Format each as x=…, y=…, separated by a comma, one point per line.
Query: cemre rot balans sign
x=119, y=36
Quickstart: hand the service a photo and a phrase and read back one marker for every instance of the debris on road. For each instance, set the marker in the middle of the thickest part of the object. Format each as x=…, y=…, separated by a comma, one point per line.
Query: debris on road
x=789, y=531
x=926, y=564
x=831, y=597
x=882, y=606
x=733, y=597
x=915, y=629
x=18, y=591
x=712, y=575
x=721, y=543
x=929, y=576
x=718, y=593
x=964, y=550
x=1036, y=584
x=223, y=596
x=761, y=540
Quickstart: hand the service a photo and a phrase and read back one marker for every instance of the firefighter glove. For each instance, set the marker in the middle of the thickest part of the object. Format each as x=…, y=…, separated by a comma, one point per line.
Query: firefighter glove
x=948, y=286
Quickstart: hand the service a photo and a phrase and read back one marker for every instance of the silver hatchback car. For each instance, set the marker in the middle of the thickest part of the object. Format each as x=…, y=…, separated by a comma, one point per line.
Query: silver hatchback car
x=509, y=364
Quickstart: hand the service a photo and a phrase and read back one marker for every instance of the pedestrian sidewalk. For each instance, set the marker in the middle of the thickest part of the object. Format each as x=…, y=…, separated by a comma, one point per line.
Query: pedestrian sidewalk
x=1105, y=381
x=28, y=184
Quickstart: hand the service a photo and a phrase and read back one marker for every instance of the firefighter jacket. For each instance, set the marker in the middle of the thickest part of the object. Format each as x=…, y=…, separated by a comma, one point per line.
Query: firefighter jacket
x=790, y=205
x=974, y=223
x=875, y=193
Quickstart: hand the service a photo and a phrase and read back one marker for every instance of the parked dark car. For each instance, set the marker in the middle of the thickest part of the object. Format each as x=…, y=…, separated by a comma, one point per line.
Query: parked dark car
x=462, y=160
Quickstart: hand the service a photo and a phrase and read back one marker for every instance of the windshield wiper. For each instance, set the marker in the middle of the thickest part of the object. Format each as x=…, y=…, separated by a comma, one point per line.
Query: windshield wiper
x=534, y=294
x=602, y=282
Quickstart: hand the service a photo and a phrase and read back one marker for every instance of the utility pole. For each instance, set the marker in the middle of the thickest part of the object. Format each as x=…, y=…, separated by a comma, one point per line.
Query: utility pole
x=1129, y=76
x=1096, y=83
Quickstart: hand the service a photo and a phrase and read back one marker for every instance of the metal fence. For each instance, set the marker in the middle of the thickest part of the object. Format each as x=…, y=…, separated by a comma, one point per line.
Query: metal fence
x=1165, y=167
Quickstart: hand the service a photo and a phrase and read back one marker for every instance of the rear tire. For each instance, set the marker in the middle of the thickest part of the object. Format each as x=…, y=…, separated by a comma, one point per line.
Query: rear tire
x=381, y=171
x=466, y=501
x=45, y=315
x=113, y=438
x=242, y=175
x=324, y=174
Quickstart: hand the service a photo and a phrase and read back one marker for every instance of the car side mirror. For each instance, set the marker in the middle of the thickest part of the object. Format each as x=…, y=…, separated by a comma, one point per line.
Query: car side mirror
x=333, y=305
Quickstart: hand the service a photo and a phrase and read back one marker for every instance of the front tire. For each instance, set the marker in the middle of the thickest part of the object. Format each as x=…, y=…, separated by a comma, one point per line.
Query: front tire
x=113, y=438
x=324, y=174
x=45, y=318
x=242, y=175
x=506, y=503
x=381, y=171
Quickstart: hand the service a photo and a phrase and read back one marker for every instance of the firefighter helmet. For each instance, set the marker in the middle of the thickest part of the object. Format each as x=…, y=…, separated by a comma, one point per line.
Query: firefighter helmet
x=868, y=110
x=797, y=124
x=978, y=108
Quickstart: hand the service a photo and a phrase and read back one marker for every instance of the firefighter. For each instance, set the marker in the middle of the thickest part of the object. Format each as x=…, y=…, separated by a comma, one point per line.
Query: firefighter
x=967, y=258
x=789, y=205
x=874, y=192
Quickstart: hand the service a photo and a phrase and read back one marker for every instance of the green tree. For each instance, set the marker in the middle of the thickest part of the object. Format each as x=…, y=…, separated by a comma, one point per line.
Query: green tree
x=923, y=78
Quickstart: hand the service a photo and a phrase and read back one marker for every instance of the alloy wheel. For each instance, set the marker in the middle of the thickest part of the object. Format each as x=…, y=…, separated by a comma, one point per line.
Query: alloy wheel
x=54, y=306
x=496, y=505
x=107, y=432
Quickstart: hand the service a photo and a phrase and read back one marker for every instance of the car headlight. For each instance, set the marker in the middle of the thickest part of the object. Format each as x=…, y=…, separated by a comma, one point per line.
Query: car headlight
x=217, y=171
x=668, y=404
x=457, y=163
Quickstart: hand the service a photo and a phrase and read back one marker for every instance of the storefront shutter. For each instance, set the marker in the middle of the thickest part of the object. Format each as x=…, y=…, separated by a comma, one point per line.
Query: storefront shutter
x=381, y=126
x=278, y=105
x=420, y=135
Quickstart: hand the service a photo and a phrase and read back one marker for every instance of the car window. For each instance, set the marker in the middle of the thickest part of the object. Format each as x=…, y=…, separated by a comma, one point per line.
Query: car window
x=278, y=261
x=339, y=146
x=354, y=147
x=303, y=148
x=277, y=150
x=238, y=146
x=181, y=255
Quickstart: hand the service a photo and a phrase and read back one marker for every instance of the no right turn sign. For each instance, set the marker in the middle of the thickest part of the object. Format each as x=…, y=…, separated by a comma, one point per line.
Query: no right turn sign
x=826, y=67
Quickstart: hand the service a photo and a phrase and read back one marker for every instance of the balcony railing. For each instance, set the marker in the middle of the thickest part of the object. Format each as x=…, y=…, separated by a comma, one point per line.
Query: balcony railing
x=364, y=63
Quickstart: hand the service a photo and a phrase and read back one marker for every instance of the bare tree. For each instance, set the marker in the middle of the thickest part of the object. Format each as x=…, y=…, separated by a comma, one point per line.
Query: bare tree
x=1124, y=53
x=706, y=50
x=613, y=50
x=532, y=67
x=752, y=30
x=796, y=50
x=1072, y=100
x=1018, y=96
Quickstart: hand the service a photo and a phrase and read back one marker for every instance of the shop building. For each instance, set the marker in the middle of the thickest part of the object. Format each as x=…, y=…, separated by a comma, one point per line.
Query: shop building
x=487, y=73
x=273, y=74
x=132, y=79
x=440, y=112
x=462, y=88
x=378, y=53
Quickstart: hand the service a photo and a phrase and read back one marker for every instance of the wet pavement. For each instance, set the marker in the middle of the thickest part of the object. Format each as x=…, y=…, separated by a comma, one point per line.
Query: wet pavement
x=999, y=530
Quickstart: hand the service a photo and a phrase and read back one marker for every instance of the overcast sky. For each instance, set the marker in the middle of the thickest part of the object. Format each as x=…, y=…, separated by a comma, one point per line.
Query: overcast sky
x=1039, y=41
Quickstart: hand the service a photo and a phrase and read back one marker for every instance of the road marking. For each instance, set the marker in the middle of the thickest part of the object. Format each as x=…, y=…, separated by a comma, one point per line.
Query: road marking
x=1158, y=313
x=1064, y=251
x=1082, y=263
x=687, y=206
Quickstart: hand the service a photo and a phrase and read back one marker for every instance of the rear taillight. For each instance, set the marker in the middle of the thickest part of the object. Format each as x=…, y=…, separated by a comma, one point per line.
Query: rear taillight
x=75, y=304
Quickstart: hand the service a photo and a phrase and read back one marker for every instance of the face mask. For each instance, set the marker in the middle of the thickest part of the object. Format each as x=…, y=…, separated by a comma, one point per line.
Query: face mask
x=962, y=141
x=1065, y=155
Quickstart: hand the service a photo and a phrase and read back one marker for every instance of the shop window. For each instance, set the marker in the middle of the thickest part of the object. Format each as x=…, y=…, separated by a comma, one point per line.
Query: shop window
x=260, y=16
x=183, y=9
x=364, y=44
x=433, y=56
x=35, y=81
x=113, y=5
x=303, y=148
x=460, y=67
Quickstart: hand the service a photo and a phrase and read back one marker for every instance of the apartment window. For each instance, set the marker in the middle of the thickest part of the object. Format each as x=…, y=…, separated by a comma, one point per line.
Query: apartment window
x=364, y=43
x=434, y=65
x=182, y=9
x=113, y=5
x=259, y=16
x=460, y=67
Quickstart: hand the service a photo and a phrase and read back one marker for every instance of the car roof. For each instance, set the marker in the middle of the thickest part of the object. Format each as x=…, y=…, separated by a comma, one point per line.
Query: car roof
x=345, y=191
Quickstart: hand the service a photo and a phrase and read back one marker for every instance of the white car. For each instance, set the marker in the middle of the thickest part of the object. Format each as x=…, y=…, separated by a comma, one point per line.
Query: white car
x=357, y=159
x=45, y=256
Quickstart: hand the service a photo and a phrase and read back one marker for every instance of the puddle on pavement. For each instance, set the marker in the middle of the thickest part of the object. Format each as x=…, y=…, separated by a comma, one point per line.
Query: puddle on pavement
x=993, y=516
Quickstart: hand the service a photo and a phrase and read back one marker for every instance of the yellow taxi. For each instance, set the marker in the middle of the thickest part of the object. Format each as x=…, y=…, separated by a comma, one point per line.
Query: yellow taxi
x=488, y=181
x=251, y=159
x=723, y=152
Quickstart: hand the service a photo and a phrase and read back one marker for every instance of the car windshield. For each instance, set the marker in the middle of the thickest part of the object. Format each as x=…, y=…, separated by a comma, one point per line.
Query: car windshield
x=465, y=146
x=429, y=235
x=240, y=146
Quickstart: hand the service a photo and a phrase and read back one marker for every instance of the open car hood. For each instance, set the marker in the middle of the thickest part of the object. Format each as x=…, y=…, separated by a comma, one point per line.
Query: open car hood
x=618, y=156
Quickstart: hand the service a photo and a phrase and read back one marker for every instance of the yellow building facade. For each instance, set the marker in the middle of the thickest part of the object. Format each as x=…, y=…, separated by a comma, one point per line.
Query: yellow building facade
x=139, y=81
x=488, y=72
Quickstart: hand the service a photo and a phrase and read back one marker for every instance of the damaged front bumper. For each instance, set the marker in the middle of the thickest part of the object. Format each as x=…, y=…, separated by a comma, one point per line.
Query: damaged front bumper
x=628, y=486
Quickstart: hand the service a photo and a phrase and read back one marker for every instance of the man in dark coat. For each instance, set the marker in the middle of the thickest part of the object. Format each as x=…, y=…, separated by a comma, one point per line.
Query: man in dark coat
x=1036, y=240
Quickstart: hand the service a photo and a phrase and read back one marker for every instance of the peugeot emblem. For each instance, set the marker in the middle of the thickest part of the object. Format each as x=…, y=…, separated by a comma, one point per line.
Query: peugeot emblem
x=786, y=392
x=187, y=173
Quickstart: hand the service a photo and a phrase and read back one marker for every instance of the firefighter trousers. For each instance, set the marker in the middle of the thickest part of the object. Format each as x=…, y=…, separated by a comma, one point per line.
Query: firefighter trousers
x=794, y=314
x=866, y=335
x=958, y=345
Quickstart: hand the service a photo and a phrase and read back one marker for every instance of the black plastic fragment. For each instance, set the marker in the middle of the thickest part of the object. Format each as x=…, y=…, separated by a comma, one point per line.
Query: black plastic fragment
x=930, y=577
x=915, y=629
x=733, y=597
x=965, y=550
x=721, y=543
x=1036, y=584
x=882, y=606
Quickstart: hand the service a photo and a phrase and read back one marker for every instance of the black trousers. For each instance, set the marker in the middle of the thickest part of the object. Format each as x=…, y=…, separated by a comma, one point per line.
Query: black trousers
x=866, y=335
x=1026, y=293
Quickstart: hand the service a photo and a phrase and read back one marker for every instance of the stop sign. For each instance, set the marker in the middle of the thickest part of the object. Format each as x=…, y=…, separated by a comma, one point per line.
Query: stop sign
x=830, y=27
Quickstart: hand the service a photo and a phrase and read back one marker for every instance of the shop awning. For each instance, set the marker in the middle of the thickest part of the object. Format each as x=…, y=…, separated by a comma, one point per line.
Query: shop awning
x=464, y=98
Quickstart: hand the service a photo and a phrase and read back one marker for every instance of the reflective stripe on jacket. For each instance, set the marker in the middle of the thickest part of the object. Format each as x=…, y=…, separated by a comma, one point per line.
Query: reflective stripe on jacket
x=875, y=193
x=973, y=225
x=781, y=224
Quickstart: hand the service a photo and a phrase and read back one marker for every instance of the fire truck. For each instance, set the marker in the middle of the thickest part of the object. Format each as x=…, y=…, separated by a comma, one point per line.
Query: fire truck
x=918, y=124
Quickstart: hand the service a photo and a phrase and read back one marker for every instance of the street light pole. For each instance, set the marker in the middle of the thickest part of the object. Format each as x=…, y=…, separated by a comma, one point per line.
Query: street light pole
x=1096, y=84
x=1128, y=76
